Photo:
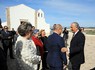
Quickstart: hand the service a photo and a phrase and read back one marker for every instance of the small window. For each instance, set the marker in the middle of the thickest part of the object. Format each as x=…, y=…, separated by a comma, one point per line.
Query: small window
x=38, y=14
x=41, y=15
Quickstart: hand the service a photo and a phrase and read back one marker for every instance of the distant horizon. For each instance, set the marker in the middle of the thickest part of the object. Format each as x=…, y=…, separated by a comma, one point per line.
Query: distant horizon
x=63, y=26
x=63, y=12
x=69, y=27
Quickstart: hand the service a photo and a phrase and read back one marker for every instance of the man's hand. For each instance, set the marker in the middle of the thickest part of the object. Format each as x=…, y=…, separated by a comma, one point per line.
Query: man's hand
x=64, y=67
x=64, y=49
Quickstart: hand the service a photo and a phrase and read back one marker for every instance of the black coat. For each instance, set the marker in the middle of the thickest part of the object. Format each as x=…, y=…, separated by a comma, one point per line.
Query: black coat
x=77, y=49
x=44, y=40
x=5, y=37
x=3, y=60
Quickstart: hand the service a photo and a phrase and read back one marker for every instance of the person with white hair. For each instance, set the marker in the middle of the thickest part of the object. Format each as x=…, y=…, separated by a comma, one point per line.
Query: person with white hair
x=25, y=49
x=76, y=50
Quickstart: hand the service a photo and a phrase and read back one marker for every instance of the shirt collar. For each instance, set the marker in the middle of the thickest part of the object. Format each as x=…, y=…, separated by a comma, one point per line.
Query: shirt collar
x=76, y=32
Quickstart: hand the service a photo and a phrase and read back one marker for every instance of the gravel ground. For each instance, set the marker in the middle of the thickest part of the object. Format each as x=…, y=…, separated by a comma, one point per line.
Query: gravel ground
x=89, y=54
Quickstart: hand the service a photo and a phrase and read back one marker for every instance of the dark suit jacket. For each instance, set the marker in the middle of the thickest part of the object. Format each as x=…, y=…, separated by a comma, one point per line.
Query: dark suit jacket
x=55, y=57
x=44, y=40
x=77, y=48
x=5, y=40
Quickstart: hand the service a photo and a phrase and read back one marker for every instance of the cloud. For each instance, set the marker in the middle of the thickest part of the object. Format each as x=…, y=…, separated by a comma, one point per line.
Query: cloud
x=64, y=6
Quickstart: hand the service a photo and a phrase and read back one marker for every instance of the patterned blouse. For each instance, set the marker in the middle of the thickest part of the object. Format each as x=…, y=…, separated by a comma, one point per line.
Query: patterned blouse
x=26, y=54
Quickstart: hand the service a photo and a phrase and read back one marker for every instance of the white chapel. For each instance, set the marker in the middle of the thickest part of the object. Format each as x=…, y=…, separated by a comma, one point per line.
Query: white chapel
x=19, y=13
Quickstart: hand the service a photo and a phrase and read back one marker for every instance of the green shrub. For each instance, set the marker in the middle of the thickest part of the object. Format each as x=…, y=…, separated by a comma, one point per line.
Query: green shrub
x=91, y=32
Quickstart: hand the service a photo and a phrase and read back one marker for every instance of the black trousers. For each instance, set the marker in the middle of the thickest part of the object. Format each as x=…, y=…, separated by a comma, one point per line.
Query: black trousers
x=44, y=63
x=3, y=60
x=56, y=68
x=76, y=66
x=6, y=47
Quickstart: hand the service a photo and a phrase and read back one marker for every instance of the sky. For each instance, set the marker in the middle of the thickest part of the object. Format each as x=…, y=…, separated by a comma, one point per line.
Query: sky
x=62, y=12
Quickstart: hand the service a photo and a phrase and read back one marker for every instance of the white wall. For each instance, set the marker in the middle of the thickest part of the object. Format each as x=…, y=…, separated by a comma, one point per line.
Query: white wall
x=41, y=23
x=24, y=12
x=21, y=12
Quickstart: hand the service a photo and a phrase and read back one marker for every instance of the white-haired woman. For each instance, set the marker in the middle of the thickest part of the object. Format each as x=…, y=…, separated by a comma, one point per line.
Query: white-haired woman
x=25, y=49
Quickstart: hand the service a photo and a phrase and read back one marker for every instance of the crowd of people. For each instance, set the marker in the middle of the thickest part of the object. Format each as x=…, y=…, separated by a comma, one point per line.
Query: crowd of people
x=33, y=49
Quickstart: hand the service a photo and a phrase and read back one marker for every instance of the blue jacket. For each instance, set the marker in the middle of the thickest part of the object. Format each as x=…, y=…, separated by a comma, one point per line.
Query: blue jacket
x=55, y=57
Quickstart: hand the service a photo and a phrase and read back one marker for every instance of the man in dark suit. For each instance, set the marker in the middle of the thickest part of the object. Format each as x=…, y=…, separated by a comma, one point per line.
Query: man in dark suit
x=76, y=47
x=3, y=60
x=55, y=58
x=7, y=41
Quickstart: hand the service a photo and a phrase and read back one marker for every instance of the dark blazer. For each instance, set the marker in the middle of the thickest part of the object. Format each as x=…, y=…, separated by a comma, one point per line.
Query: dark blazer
x=44, y=40
x=77, y=49
x=5, y=40
x=55, y=57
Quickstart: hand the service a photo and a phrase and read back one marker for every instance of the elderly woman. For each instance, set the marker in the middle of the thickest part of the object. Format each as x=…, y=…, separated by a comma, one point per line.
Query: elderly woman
x=43, y=38
x=38, y=43
x=25, y=49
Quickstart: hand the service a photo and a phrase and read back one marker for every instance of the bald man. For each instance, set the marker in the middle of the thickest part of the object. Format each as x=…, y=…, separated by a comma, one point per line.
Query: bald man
x=55, y=43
